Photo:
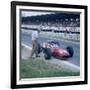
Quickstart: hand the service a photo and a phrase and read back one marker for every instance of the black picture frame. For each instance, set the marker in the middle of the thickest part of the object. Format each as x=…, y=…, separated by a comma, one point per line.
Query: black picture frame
x=14, y=5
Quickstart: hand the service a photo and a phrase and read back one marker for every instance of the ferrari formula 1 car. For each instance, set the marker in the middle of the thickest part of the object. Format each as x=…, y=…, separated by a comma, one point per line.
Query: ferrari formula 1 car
x=52, y=49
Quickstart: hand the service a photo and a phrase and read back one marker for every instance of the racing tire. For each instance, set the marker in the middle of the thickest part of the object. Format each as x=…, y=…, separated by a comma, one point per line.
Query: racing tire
x=47, y=53
x=70, y=50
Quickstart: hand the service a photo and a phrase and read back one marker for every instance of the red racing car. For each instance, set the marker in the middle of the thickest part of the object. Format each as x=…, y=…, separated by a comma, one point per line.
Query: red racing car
x=52, y=49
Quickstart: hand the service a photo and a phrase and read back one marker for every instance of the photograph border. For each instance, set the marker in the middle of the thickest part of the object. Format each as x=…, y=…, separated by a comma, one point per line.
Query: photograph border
x=14, y=44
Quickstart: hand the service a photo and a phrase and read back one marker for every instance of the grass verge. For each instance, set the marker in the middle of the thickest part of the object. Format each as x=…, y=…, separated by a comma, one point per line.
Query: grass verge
x=37, y=68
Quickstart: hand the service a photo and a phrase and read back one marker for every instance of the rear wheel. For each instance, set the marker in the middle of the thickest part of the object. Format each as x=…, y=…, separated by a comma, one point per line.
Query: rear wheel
x=47, y=53
x=70, y=50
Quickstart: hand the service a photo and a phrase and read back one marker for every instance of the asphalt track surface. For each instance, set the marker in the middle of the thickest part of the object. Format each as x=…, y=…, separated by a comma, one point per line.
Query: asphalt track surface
x=26, y=39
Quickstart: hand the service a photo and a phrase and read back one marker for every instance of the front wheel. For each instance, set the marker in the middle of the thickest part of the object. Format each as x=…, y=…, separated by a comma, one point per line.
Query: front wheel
x=70, y=50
